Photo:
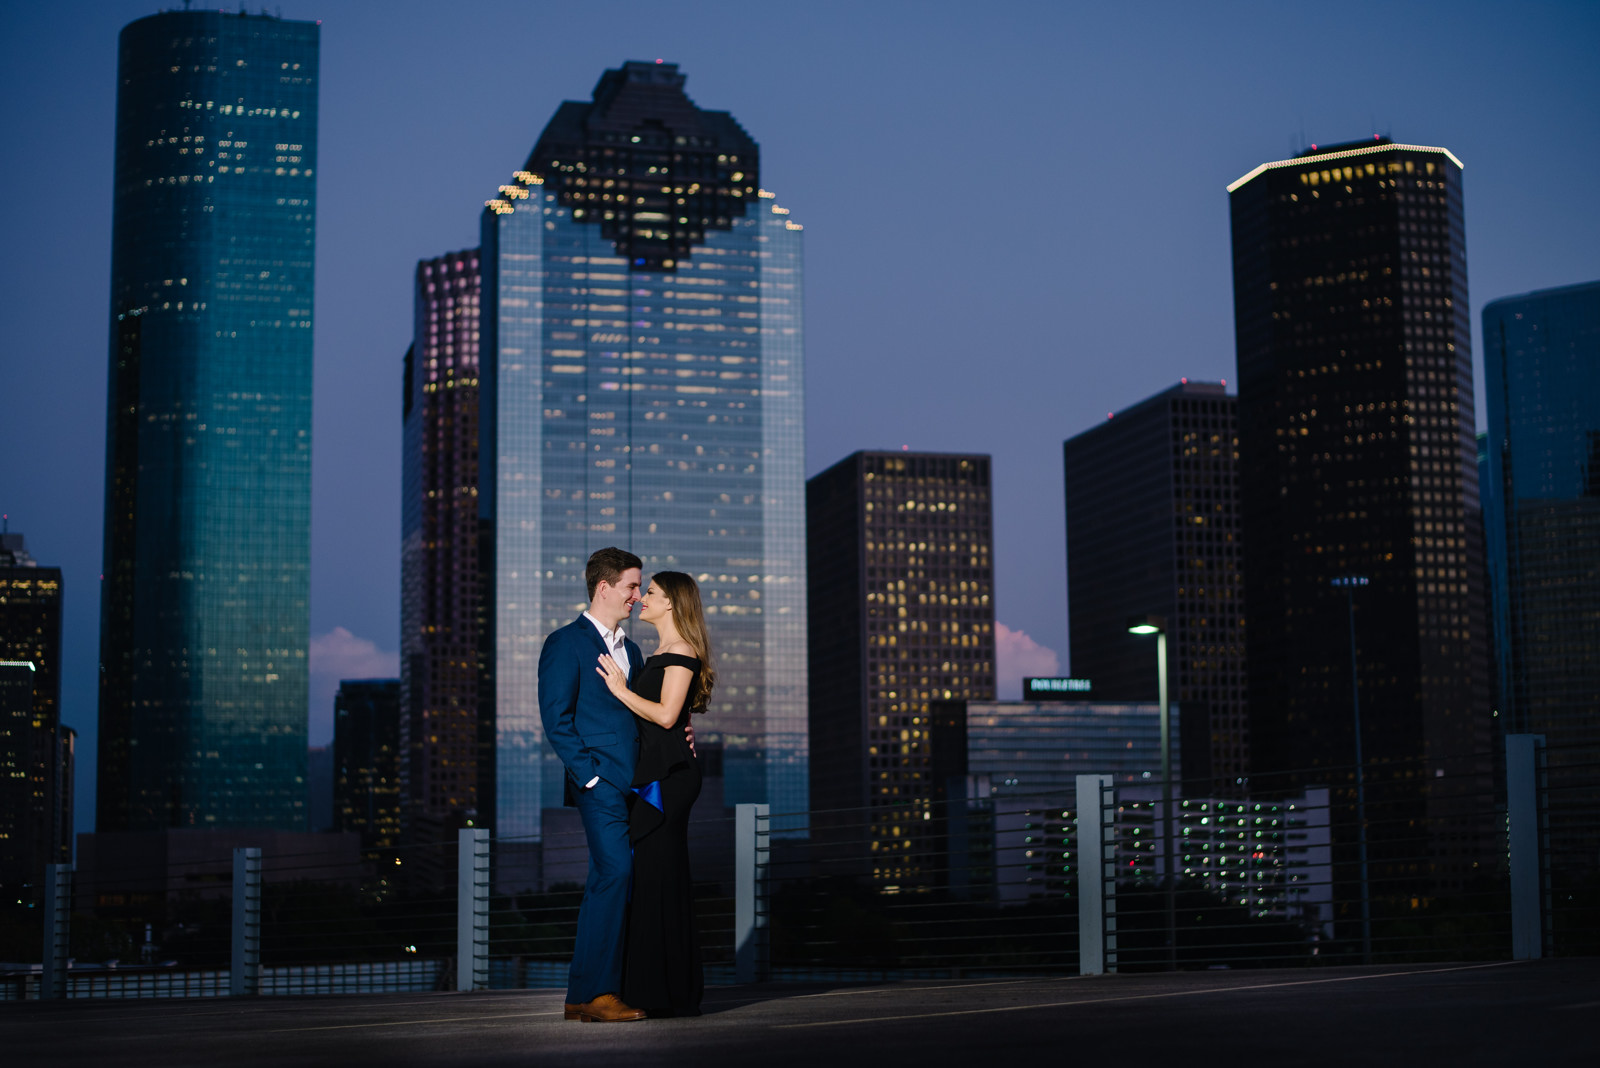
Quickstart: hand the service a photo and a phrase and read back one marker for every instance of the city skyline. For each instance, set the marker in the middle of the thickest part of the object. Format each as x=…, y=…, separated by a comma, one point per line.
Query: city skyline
x=890, y=330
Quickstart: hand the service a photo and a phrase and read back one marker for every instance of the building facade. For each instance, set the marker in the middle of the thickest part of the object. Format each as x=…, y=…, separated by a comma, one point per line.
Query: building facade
x=902, y=616
x=447, y=755
x=1542, y=504
x=203, y=674
x=1153, y=528
x=642, y=386
x=1357, y=459
x=35, y=748
x=1038, y=748
x=366, y=762
x=1271, y=858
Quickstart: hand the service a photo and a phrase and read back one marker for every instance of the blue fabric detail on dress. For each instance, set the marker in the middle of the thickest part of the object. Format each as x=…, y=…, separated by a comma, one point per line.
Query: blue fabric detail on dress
x=651, y=792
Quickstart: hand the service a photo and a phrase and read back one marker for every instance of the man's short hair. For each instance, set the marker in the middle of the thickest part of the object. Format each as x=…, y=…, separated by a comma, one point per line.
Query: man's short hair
x=607, y=565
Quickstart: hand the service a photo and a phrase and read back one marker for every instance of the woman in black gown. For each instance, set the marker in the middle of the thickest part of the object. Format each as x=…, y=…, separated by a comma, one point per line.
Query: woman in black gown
x=662, y=973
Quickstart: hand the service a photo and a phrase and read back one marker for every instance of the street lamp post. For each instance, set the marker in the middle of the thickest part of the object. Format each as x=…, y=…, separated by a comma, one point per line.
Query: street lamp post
x=1157, y=625
x=1349, y=583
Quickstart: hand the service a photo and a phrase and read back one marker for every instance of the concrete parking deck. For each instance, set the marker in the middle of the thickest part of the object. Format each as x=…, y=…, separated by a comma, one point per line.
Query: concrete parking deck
x=1538, y=1013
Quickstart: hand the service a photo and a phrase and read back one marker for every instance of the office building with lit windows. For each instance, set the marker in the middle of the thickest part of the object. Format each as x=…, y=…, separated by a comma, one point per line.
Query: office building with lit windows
x=1153, y=528
x=1358, y=459
x=901, y=578
x=1272, y=858
x=35, y=749
x=1039, y=748
x=642, y=386
x=204, y=627
x=1542, y=505
x=366, y=762
x=441, y=598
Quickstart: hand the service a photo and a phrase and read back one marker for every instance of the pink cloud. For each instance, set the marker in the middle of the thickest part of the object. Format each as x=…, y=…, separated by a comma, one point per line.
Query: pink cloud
x=338, y=655
x=1018, y=656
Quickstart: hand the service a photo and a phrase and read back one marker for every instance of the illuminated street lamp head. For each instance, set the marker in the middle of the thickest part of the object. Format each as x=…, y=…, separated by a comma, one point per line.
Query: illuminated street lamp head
x=1147, y=624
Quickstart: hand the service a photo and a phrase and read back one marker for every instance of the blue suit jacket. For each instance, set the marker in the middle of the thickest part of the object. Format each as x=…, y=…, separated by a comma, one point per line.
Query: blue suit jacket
x=591, y=731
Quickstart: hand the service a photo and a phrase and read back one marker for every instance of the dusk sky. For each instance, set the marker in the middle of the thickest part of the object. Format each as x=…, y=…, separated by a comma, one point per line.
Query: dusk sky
x=1015, y=220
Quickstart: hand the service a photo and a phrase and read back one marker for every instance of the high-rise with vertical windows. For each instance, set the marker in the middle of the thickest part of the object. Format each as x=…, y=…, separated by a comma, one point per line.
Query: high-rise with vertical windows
x=203, y=675
x=1153, y=528
x=366, y=761
x=901, y=575
x=441, y=600
x=1358, y=461
x=32, y=772
x=1541, y=355
x=642, y=386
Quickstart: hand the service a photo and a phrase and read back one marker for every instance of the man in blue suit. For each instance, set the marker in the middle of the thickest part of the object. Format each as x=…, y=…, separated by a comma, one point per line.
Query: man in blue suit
x=594, y=735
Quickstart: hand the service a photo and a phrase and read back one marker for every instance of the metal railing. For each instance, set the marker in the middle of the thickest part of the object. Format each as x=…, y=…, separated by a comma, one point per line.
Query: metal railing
x=1472, y=864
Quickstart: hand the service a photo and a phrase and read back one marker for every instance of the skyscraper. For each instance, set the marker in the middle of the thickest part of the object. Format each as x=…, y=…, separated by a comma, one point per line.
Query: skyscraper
x=203, y=676
x=1357, y=459
x=901, y=578
x=31, y=735
x=366, y=761
x=31, y=770
x=441, y=600
x=1542, y=371
x=1153, y=528
x=642, y=386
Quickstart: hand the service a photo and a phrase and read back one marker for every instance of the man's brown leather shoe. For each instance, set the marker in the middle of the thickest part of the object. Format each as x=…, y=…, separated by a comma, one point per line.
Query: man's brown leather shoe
x=607, y=1008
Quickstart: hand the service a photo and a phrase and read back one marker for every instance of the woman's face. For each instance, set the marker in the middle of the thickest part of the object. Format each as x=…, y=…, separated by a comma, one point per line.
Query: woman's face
x=655, y=604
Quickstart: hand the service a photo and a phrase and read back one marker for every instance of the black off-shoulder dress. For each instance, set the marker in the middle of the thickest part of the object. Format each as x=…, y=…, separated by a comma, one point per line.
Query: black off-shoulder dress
x=663, y=973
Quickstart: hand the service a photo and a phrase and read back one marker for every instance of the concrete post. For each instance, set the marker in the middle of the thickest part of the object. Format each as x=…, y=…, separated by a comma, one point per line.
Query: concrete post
x=244, y=977
x=752, y=852
x=472, y=909
x=57, y=929
x=1528, y=829
x=1097, y=876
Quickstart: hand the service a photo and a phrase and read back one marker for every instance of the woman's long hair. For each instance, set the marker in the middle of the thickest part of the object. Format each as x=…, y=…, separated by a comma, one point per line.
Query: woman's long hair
x=690, y=617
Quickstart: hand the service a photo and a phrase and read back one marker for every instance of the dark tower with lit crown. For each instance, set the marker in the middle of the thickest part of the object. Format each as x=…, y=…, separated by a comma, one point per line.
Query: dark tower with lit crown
x=1358, y=459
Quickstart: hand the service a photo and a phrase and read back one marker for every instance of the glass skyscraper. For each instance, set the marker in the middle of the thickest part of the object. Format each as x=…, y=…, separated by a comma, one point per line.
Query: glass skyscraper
x=642, y=386
x=1542, y=513
x=1358, y=459
x=203, y=681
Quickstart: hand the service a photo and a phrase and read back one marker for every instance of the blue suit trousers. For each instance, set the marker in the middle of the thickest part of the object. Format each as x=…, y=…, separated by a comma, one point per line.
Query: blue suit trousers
x=602, y=918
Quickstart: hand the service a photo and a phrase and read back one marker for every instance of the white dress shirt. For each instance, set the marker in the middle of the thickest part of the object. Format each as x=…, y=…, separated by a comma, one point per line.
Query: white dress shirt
x=617, y=647
x=615, y=644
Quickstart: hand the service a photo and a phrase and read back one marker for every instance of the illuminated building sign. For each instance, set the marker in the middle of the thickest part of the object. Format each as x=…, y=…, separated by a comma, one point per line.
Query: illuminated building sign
x=1048, y=688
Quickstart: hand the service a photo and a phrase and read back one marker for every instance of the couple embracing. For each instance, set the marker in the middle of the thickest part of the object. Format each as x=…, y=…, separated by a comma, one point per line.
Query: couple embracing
x=620, y=724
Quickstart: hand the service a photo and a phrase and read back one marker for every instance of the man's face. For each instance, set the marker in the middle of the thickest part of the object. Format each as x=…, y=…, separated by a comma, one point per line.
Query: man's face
x=620, y=596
